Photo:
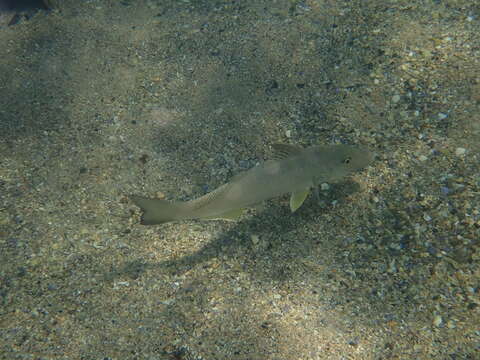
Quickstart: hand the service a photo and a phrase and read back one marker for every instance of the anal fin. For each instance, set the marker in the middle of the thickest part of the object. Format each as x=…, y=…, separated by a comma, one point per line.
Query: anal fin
x=231, y=215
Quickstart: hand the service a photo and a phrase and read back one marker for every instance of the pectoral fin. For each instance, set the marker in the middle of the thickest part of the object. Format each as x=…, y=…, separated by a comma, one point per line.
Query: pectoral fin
x=297, y=198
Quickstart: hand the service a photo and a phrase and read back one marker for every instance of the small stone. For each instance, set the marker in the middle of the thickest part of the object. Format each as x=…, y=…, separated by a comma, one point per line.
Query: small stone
x=167, y=302
x=451, y=324
x=288, y=133
x=324, y=187
x=460, y=151
x=354, y=342
x=437, y=320
x=422, y=158
x=442, y=116
x=427, y=217
x=395, y=98
x=255, y=239
x=392, y=268
x=445, y=190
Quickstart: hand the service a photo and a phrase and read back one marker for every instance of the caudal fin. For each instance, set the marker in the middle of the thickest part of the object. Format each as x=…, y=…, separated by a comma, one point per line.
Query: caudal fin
x=156, y=211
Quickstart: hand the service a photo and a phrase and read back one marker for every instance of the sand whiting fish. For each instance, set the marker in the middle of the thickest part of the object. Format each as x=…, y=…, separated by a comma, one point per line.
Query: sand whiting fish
x=293, y=170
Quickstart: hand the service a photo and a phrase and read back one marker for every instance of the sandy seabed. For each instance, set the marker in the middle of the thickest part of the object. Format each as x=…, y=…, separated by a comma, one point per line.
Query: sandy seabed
x=102, y=99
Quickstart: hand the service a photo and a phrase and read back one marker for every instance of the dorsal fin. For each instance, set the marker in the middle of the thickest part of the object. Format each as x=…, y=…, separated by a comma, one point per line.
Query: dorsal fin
x=207, y=198
x=283, y=151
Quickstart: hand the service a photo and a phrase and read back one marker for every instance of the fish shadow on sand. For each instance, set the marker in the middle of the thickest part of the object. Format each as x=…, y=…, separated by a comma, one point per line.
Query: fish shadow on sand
x=274, y=225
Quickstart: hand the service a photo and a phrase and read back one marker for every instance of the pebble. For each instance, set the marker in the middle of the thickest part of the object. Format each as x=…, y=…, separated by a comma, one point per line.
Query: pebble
x=437, y=320
x=442, y=116
x=460, y=151
x=324, y=187
x=445, y=190
x=392, y=268
x=396, y=98
x=451, y=324
x=354, y=342
x=422, y=158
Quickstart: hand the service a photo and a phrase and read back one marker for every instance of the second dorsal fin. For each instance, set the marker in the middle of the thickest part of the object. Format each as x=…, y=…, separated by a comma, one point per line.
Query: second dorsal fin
x=283, y=151
x=206, y=199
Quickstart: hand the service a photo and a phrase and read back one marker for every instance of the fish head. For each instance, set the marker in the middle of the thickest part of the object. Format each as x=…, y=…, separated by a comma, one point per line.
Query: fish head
x=337, y=161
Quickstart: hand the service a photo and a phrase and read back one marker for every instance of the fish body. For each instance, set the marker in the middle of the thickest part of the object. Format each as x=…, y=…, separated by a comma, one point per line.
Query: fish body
x=293, y=170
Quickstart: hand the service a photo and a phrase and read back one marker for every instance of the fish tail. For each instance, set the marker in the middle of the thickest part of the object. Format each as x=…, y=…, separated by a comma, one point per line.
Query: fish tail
x=156, y=211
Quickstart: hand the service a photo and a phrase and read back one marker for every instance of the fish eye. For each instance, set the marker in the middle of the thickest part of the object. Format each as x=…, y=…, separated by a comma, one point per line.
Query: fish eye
x=347, y=160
